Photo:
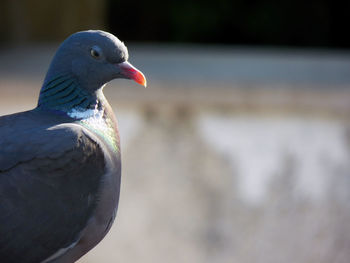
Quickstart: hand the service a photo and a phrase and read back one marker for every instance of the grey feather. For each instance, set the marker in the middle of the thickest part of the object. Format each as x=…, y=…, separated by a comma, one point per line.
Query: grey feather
x=41, y=205
x=60, y=173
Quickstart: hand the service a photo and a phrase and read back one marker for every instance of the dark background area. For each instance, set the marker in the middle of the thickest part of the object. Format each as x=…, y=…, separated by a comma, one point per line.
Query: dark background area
x=315, y=23
x=290, y=23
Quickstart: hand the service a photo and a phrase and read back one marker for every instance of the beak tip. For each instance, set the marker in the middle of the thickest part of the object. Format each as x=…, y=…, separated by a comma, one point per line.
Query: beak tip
x=131, y=72
x=140, y=79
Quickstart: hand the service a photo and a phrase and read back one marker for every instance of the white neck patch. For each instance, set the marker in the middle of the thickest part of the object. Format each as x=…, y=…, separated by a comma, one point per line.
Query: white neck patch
x=79, y=113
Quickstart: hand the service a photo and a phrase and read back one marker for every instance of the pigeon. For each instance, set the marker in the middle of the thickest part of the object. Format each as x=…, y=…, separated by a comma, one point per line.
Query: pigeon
x=60, y=163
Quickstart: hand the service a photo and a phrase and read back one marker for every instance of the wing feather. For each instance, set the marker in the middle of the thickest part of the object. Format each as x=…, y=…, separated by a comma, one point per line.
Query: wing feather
x=49, y=181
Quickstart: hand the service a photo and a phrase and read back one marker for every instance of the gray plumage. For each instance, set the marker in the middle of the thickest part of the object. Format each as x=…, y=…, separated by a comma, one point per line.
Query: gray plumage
x=60, y=162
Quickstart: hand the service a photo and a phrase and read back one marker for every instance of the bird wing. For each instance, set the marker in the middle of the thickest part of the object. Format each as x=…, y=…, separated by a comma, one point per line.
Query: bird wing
x=49, y=178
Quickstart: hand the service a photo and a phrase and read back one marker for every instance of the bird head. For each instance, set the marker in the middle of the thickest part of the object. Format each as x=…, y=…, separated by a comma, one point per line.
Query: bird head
x=94, y=58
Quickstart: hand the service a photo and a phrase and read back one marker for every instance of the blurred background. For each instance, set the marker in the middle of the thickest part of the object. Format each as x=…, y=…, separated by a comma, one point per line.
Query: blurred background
x=239, y=149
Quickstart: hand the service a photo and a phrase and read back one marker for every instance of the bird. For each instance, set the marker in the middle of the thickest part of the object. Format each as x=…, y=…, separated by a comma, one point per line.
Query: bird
x=60, y=163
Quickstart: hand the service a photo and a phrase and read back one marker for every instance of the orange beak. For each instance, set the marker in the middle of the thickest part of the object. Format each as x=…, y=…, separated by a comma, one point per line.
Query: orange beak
x=130, y=72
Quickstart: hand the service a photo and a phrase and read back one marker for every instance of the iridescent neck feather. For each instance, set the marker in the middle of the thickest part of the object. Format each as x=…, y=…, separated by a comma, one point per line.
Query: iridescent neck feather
x=63, y=93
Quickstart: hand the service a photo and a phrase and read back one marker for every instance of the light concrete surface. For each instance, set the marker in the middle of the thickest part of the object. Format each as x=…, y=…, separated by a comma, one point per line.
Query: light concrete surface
x=230, y=155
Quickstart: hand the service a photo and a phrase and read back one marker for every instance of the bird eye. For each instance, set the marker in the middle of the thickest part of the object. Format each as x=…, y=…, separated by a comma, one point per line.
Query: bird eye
x=95, y=52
